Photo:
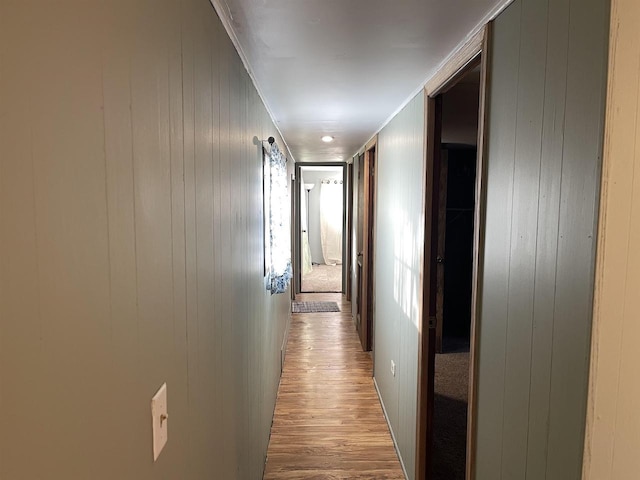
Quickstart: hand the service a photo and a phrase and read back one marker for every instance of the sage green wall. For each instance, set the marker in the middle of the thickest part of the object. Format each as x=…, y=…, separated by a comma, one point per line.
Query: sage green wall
x=399, y=226
x=545, y=132
x=131, y=244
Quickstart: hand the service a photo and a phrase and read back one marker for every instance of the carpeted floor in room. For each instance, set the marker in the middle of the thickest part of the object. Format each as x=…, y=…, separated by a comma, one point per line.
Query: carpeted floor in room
x=323, y=278
x=450, y=414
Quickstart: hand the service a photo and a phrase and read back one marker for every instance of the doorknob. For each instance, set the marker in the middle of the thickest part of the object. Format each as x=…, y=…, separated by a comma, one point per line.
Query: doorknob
x=439, y=259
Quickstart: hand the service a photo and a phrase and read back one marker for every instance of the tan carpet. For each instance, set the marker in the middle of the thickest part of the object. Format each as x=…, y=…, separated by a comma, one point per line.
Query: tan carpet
x=323, y=278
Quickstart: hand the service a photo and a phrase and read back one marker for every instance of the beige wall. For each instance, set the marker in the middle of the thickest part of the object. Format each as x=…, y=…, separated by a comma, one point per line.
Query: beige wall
x=613, y=419
x=131, y=244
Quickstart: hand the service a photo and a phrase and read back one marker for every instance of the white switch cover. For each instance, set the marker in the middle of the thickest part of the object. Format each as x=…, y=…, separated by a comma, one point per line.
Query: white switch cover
x=160, y=419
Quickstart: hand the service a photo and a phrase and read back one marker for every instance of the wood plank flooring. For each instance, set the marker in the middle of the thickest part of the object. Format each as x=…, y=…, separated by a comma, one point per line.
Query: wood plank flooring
x=328, y=422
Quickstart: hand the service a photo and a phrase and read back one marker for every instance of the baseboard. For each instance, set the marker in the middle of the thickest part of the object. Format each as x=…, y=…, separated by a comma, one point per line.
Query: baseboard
x=393, y=437
x=283, y=352
x=283, y=348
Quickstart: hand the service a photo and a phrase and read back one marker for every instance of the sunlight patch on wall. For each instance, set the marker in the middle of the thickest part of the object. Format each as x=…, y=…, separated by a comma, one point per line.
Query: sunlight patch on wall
x=406, y=279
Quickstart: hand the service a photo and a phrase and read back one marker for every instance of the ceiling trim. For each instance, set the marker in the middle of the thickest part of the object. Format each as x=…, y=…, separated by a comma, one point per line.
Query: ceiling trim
x=450, y=73
x=222, y=10
x=478, y=29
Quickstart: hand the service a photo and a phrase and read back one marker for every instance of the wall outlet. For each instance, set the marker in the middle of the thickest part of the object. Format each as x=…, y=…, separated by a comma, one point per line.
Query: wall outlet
x=160, y=420
x=393, y=368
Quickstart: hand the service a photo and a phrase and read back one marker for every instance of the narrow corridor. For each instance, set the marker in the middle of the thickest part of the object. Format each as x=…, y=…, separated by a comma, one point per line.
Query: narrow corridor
x=328, y=421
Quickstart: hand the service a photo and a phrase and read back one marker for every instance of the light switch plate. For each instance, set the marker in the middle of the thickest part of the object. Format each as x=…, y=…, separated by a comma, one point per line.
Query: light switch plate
x=160, y=419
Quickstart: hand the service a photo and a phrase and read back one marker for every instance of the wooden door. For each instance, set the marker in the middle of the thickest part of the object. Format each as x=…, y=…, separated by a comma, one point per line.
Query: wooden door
x=440, y=254
x=366, y=216
x=368, y=257
x=430, y=291
x=432, y=261
x=359, y=244
x=349, y=232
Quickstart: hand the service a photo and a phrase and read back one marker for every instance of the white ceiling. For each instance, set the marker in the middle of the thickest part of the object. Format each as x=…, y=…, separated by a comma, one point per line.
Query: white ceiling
x=344, y=67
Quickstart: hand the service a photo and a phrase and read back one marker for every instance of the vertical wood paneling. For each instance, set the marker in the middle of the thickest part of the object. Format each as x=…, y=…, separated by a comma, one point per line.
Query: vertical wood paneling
x=580, y=181
x=225, y=247
x=547, y=236
x=130, y=205
x=71, y=235
x=523, y=241
x=19, y=291
x=495, y=290
x=172, y=36
x=188, y=19
x=216, y=395
x=118, y=140
x=544, y=147
x=613, y=418
x=399, y=242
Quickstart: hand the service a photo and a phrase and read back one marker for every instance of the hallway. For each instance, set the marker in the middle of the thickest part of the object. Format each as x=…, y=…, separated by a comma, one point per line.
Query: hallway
x=328, y=421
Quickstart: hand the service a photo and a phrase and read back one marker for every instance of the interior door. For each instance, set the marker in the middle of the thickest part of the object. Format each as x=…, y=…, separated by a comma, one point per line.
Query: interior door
x=348, y=231
x=440, y=254
x=366, y=216
x=359, y=244
x=430, y=293
x=369, y=218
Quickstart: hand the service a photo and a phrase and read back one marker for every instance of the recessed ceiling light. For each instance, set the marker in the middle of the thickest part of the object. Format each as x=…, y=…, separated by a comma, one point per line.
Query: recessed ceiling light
x=327, y=139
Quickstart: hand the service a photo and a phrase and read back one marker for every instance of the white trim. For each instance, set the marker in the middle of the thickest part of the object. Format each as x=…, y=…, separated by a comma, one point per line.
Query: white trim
x=497, y=10
x=393, y=437
x=222, y=9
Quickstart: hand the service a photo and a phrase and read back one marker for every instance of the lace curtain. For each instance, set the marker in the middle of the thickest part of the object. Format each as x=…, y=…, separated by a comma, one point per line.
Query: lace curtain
x=278, y=253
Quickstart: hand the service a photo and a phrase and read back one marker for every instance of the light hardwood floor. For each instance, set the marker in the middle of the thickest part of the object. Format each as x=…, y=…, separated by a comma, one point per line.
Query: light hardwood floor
x=328, y=422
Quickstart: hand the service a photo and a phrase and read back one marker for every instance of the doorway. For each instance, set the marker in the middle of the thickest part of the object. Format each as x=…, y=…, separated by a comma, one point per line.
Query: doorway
x=366, y=198
x=453, y=306
x=453, y=206
x=321, y=227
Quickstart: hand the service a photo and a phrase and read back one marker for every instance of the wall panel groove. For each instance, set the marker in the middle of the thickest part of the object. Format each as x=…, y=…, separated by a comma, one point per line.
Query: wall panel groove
x=545, y=128
x=398, y=264
x=131, y=244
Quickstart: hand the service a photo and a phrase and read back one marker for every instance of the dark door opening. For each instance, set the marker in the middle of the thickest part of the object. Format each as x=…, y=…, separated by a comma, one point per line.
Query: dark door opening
x=455, y=257
x=450, y=301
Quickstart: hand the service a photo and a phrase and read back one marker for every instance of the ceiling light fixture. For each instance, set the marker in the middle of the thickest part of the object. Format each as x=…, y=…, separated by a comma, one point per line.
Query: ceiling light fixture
x=327, y=139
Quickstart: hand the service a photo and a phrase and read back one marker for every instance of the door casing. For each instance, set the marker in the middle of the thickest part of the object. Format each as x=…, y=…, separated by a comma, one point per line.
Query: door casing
x=475, y=51
x=297, y=223
x=366, y=245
